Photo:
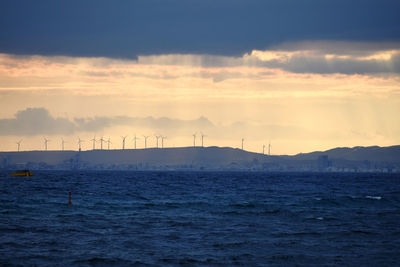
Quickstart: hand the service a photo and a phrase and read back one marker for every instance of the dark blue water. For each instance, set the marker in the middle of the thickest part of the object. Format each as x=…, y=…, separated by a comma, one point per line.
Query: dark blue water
x=205, y=218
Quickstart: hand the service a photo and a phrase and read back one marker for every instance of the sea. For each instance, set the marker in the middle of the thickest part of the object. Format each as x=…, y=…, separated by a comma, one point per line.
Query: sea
x=168, y=218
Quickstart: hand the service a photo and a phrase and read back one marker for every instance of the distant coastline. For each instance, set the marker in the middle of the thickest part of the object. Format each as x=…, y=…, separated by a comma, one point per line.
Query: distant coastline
x=356, y=159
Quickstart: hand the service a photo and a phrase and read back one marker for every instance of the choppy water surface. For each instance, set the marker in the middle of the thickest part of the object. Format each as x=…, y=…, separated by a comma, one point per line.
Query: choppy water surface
x=204, y=218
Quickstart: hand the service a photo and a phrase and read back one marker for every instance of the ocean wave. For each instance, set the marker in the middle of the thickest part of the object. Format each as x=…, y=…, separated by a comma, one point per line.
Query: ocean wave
x=374, y=197
x=339, y=200
x=243, y=205
x=180, y=224
x=128, y=219
x=297, y=234
x=100, y=261
x=362, y=232
x=255, y=212
x=186, y=261
x=230, y=244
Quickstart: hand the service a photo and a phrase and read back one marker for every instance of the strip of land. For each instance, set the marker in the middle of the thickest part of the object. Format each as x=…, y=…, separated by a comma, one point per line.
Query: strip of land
x=360, y=159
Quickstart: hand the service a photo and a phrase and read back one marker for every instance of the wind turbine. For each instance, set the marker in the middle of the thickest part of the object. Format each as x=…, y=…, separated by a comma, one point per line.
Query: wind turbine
x=108, y=143
x=162, y=141
x=263, y=149
x=123, y=142
x=202, y=139
x=157, y=136
x=19, y=144
x=242, y=142
x=101, y=142
x=94, y=142
x=62, y=144
x=145, y=140
x=80, y=141
x=269, y=148
x=134, y=139
x=45, y=143
x=194, y=140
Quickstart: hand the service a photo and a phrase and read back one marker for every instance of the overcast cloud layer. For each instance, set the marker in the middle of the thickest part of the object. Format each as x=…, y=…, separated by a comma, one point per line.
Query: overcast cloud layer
x=128, y=28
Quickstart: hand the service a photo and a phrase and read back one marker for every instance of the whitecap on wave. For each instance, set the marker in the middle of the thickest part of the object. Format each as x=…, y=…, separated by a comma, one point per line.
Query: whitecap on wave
x=374, y=197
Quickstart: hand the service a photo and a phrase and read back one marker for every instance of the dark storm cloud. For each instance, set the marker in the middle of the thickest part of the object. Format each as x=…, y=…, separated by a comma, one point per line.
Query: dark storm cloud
x=128, y=28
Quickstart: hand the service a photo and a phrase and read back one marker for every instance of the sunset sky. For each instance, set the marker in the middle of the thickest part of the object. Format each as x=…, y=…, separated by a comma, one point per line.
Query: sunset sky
x=302, y=75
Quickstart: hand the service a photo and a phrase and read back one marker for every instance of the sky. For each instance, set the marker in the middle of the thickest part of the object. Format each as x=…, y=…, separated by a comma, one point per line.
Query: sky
x=302, y=75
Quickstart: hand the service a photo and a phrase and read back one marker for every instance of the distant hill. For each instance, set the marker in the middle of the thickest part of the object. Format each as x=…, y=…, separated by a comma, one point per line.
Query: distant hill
x=358, y=153
x=207, y=158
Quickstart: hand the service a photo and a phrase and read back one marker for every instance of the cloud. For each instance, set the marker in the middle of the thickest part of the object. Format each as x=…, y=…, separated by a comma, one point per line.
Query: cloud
x=335, y=47
x=129, y=28
x=158, y=73
x=324, y=65
x=157, y=124
x=35, y=121
x=38, y=121
x=305, y=57
x=323, y=57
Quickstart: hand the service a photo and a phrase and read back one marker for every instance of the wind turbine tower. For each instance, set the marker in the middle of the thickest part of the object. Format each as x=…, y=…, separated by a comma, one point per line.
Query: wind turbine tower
x=123, y=142
x=101, y=142
x=79, y=143
x=94, y=142
x=108, y=143
x=242, y=142
x=62, y=144
x=162, y=141
x=19, y=144
x=263, y=149
x=202, y=139
x=157, y=136
x=194, y=140
x=45, y=143
x=145, y=140
x=134, y=139
x=269, y=148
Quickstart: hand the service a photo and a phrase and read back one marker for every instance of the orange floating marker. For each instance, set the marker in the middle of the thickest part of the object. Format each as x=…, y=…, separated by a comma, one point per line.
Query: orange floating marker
x=69, y=201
